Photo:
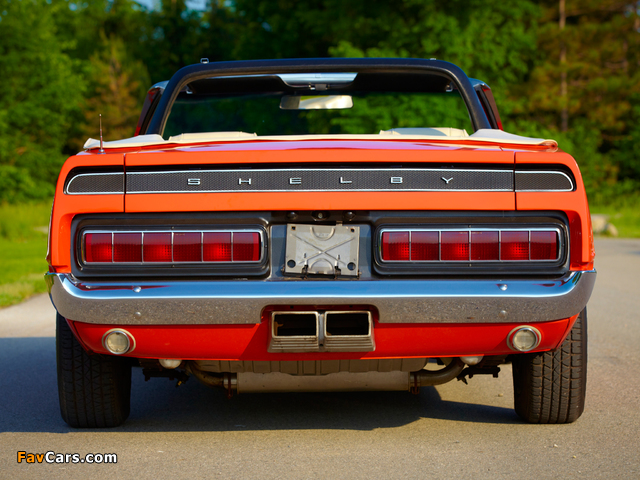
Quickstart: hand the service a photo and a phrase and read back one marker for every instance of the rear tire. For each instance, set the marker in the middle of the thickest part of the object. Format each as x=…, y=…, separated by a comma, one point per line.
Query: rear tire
x=550, y=387
x=94, y=390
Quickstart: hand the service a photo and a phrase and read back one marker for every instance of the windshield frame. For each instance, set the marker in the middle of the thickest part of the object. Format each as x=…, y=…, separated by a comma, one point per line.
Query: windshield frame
x=428, y=68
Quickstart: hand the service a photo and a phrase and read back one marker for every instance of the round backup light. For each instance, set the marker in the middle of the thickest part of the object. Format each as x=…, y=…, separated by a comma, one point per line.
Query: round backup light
x=524, y=339
x=170, y=363
x=117, y=342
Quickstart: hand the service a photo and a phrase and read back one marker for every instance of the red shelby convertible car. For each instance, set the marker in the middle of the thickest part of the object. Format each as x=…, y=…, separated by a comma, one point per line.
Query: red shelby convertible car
x=320, y=225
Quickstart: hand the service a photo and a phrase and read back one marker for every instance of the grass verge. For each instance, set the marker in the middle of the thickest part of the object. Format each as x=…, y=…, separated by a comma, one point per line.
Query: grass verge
x=625, y=217
x=23, y=246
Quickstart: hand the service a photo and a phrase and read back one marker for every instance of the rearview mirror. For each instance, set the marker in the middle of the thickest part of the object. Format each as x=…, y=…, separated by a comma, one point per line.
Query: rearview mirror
x=326, y=102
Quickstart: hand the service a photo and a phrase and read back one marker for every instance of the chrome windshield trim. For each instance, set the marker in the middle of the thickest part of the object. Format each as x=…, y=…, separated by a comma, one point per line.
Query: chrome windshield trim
x=397, y=301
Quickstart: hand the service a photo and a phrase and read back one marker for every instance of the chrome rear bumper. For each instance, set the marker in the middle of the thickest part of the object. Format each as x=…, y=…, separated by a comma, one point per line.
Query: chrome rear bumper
x=397, y=301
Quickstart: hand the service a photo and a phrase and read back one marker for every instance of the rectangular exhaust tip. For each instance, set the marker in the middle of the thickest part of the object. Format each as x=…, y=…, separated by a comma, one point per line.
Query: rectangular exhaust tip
x=348, y=323
x=348, y=331
x=295, y=324
x=295, y=332
x=322, y=331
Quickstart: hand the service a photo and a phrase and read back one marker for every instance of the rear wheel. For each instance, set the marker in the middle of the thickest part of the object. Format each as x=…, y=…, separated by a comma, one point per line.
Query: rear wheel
x=94, y=390
x=550, y=387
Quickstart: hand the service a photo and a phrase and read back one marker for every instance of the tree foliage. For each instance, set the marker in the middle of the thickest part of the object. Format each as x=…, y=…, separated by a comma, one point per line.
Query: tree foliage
x=41, y=90
x=566, y=69
x=587, y=70
x=116, y=83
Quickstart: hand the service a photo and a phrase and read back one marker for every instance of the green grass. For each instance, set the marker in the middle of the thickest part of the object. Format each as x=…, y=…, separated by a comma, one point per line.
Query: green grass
x=625, y=217
x=23, y=246
x=24, y=221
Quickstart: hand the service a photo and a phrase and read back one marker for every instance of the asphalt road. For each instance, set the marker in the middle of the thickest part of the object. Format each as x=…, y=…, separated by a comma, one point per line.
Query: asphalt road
x=450, y=431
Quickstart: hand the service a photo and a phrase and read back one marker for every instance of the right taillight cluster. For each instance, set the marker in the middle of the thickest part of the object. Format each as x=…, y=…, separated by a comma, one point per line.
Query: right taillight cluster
x=470, y=245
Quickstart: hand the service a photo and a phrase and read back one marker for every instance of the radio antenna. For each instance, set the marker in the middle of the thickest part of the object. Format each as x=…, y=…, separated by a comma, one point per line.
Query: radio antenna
x=101, y=149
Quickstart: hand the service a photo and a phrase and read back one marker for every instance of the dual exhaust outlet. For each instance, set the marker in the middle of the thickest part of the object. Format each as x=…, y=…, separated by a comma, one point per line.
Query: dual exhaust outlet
x=321, y=331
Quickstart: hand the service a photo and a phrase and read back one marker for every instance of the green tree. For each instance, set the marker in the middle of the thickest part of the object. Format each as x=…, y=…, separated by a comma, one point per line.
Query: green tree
x=565, y=69
x=108, y=39
x=82, y=26
x=583, y=89
x=176, y=40
x=40, y=92
x=588, y=65
x=492, y=40
x=117, y=83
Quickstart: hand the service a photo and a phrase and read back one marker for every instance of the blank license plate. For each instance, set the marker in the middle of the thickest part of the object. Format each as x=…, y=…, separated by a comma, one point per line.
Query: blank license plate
x=322, y=250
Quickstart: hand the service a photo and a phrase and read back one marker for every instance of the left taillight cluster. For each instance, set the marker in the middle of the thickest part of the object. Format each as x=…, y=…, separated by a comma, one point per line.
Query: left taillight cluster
x=242, y=246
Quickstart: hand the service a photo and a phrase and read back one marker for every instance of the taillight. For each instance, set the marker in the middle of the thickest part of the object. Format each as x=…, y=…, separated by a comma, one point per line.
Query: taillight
x=485, y=246
x=544, y=245
x=470, y=245
x=172, y=247
x=246, y=247
x=514, y=245
x=157, y=247
x=98, y=247
x=127, y=247
x=425, y=246
x=187, y=247
x=217, y=247
x=454, y=246
x=395, y=246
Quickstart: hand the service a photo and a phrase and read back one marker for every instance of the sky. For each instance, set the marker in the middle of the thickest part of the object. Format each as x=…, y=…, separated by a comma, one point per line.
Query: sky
x=193, y=4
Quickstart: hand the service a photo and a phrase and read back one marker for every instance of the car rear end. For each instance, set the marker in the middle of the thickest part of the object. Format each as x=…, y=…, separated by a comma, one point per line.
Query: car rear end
x=321, y=262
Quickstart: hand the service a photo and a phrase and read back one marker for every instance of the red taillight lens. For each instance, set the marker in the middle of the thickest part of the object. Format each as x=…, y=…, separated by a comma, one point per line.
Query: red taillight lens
x=157, y=247
x=471, y=245
x=216, y=247
x=544, y=245
x=98, y=248
x=514, y=245
x=127, y=247
x=485, y=246
x=425, y=246
x=395, y=246
x=187, y=247
x=171, y=247
x=246, y=247
x=455, y=246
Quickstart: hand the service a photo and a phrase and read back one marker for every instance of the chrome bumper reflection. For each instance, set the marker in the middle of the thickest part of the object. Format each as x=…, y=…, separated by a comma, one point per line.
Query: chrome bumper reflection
x=398, y=301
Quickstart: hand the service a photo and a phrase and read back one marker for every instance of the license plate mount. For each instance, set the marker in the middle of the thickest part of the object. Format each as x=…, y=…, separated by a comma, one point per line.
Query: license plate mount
x=322, y=250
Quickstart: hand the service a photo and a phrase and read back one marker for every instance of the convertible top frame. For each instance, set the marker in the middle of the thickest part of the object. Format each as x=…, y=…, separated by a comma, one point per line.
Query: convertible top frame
x=200, y=71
